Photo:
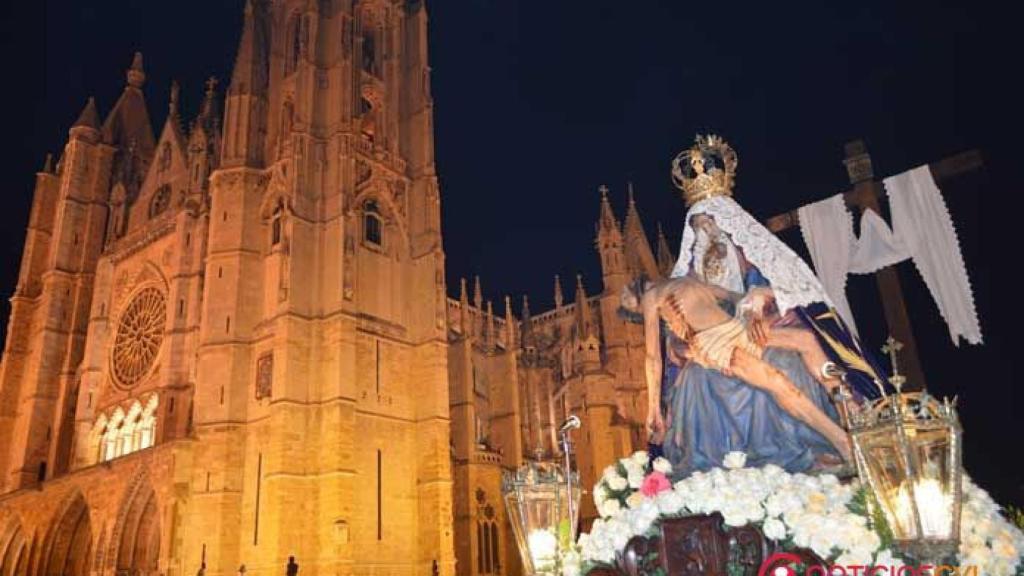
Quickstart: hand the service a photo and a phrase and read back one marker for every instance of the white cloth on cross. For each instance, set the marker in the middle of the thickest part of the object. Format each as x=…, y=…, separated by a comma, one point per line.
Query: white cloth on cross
x=922, y=230
x=827, y=228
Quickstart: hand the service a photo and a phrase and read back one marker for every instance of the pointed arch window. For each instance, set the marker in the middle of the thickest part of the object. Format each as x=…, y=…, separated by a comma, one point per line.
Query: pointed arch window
x=122, y=432
x=275, y=225
x=161, y=201
x=373, y=224
x=370, y=65
x=294, y=46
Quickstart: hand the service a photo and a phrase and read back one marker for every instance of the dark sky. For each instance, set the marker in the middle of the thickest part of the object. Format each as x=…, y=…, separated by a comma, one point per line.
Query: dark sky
x=540, y=101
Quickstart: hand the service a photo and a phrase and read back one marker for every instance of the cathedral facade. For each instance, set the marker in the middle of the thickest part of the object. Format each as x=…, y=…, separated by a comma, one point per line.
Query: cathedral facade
x=231, y=343
x=514, y=381
x=227, y=344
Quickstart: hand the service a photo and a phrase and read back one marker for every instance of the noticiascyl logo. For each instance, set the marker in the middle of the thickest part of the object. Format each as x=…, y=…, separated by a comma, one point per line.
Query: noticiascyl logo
x=785, y=563
x=779, y=564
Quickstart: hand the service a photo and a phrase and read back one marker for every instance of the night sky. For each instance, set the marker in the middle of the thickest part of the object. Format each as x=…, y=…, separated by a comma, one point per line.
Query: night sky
x=539, y=102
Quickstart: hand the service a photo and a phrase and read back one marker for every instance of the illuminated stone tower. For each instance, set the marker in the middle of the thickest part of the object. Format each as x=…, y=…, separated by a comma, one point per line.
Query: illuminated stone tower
x=241, y=320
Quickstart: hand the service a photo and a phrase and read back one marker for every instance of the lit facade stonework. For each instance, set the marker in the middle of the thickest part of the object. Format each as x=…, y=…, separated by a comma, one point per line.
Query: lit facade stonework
x=231, y=340
x=228, y=339
x=513, y=381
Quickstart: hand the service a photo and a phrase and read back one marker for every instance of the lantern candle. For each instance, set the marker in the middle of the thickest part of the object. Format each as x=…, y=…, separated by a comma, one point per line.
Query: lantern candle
x=543, y=545
x=933, y=504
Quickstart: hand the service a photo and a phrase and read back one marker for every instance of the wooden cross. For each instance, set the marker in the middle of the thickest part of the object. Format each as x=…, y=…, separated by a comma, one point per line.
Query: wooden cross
x=864, y=196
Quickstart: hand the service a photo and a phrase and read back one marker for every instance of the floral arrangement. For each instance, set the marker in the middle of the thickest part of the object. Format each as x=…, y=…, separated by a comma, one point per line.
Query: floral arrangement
x=796, y=510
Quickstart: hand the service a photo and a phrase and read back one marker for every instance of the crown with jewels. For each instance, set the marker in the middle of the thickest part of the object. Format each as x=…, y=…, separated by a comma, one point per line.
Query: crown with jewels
x=706, y=169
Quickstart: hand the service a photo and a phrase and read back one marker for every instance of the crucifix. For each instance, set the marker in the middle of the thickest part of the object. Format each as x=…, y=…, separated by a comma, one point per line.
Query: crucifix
x=864, y=196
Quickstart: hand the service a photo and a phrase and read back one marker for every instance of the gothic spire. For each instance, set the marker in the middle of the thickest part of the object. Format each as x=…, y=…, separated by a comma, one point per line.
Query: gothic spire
x=136, y=75
x=558, y=292
x=582, y=309
x=89, y=118
x=172, y=101
x=245, y=107
x=478, y=295
x=607, y=225
x=639, y=257
x=510, y=324
x=128, y=125
x=463, y=307
x=489, y=333
x=527, y=329
x=208, y=111
x=251, y=62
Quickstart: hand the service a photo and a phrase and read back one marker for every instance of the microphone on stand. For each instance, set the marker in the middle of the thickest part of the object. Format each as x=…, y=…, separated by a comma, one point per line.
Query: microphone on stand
x=572, y=422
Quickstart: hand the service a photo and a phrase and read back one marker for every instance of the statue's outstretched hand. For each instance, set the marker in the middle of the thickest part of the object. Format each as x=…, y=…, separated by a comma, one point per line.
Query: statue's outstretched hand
x=656, y=426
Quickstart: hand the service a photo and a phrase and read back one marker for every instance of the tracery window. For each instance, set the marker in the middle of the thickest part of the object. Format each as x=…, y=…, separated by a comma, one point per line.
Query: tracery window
x=161, y=201
x=370, y=51
x=294, y=46
x=140, y=331
x=275, y=226
x=122, y=432
x=372, y=224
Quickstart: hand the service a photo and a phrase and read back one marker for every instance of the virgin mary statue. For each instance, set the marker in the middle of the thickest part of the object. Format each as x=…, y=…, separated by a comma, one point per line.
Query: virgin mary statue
x=708, y=413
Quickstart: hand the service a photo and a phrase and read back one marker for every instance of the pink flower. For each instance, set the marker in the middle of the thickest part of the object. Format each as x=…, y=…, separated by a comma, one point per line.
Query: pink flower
x=654, y=483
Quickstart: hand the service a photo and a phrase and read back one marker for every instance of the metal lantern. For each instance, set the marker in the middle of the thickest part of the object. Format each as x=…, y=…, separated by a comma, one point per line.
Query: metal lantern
x=542, y=500
x=908, y=451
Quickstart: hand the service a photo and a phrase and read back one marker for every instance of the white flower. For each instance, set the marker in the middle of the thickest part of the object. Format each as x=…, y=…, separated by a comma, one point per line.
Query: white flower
x=636, y=478
x=774, y=529
x=609, y=507
x=640, y=458
x=669, y=502
x=662, y=465
x=617, y=483
x=734, y=460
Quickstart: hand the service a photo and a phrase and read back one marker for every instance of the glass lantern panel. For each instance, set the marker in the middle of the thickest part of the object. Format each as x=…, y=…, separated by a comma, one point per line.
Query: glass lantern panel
x=884, y=465
x=931, y=456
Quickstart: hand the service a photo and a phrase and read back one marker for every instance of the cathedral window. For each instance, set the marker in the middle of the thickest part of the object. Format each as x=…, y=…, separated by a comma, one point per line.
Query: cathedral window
x=140, y=331
x=294, y=44
x=123, y=433
x=161, y=201
x=370, y=65
x=264, y=376
x=275, y=226
x=368, y=122
x=372, y=224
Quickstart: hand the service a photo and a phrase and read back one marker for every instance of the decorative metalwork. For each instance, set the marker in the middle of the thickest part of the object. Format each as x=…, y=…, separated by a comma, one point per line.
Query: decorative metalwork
x=908, y=450
x=542, y=501
x=706, y=169
x=140, y=331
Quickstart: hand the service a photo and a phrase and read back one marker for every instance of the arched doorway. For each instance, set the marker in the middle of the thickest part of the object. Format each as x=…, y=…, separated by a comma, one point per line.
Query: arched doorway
x=138, y=535
x=13, y=546
x=69, y=545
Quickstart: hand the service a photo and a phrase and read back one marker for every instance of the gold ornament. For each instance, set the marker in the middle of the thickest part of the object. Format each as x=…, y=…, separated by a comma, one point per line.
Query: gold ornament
x=706, y=169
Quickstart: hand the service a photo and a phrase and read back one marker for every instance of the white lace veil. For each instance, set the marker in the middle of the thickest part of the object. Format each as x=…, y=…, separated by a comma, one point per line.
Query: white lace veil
x=792, y=280
x=728, y=274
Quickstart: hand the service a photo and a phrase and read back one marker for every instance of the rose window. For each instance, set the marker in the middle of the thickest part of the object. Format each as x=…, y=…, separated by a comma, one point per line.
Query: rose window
x=139, y=334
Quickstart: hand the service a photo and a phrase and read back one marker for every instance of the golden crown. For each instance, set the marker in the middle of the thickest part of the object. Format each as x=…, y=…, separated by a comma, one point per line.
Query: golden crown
x=706, y=169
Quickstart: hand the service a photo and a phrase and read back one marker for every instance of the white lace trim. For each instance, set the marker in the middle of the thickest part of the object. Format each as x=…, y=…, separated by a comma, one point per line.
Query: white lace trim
x=792, y=280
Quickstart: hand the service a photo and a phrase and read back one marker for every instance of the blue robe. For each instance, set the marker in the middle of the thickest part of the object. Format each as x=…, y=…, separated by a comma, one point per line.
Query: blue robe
x=708, y=414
